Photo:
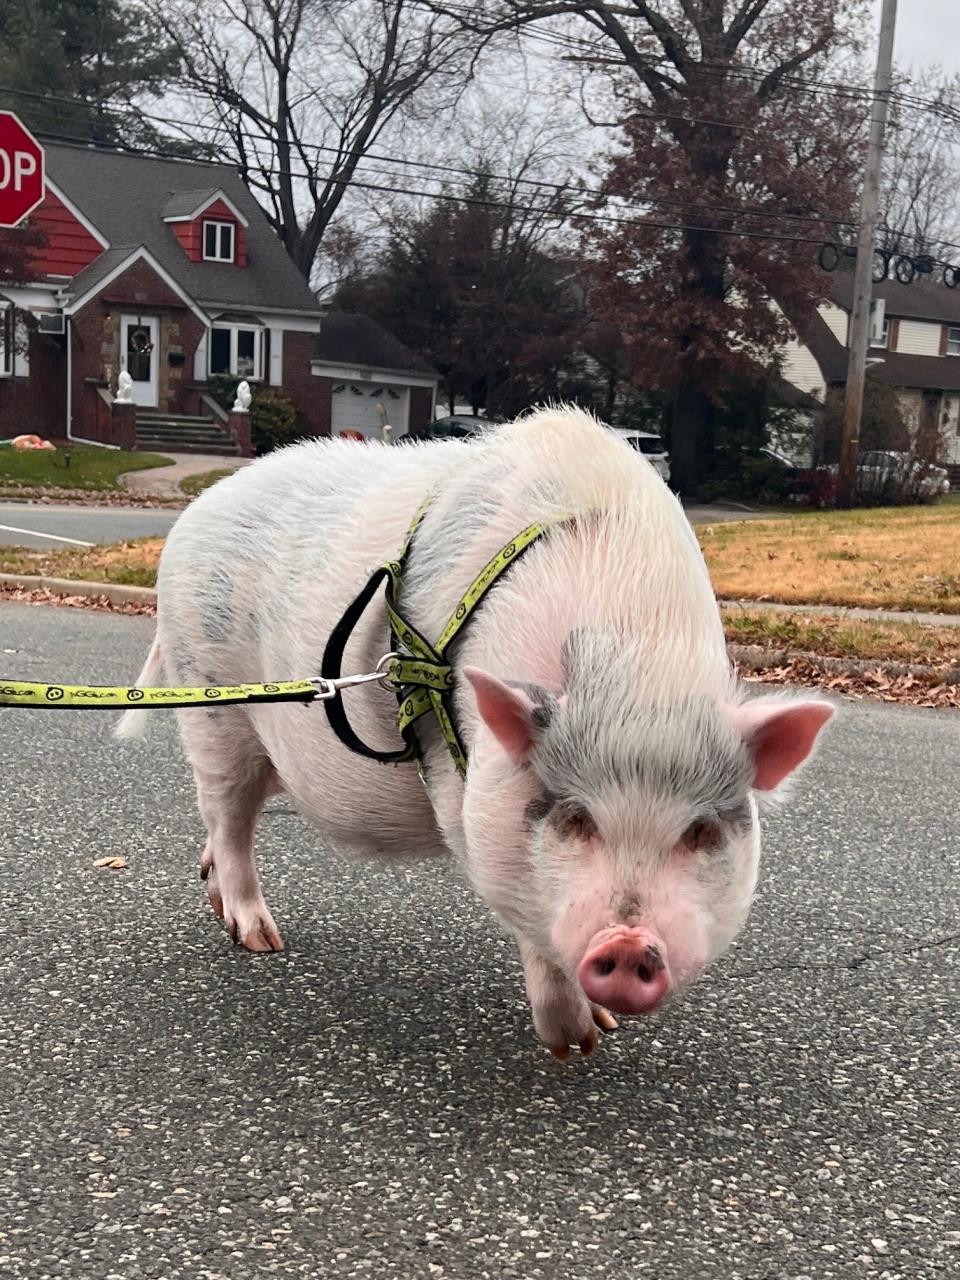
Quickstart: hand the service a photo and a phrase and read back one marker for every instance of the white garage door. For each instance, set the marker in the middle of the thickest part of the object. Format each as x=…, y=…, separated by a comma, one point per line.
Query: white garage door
x=365, y=406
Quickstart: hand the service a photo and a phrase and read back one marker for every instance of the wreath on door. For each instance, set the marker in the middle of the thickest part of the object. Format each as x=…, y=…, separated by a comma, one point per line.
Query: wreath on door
x=140, y=341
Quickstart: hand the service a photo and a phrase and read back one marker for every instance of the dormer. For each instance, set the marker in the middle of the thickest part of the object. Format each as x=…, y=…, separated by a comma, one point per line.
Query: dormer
x=208, y=225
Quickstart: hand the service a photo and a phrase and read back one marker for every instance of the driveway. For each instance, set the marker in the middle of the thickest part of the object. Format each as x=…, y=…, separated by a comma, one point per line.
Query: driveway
x=373, y=1104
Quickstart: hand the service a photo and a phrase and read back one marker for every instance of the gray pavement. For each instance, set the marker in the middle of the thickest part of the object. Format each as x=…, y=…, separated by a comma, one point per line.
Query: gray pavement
x=50, y=528
x=372, y=1103
x=164, y=482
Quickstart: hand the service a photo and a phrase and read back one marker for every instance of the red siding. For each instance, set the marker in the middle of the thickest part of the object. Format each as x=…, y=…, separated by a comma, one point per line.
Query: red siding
x=70, y=246
x=190, y=234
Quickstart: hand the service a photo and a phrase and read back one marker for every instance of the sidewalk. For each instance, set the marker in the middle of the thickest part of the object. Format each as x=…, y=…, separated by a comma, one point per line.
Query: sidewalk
x=846, y=611
x=164, y=482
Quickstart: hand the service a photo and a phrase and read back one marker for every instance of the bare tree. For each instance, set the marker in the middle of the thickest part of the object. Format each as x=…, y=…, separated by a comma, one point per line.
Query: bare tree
x=297, y=92
x=718, y=123
x=920, y=214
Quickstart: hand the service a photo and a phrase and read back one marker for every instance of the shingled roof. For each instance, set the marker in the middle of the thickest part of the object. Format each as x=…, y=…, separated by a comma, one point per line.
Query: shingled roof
x=127, y=196
x=347, y=338
x=922, y=300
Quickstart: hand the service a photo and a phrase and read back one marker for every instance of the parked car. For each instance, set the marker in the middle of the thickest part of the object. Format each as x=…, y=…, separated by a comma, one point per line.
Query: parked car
x=890, y=474
x=795, y=480
x=459, y=426
x=651, y=446
x=884, y=471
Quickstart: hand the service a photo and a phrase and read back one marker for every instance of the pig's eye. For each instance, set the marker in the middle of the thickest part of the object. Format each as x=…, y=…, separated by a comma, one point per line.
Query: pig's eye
x=700, y=836
x=574, y=823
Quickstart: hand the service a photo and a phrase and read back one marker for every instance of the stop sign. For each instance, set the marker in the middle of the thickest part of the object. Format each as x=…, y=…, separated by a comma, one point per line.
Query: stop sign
x=21, y=170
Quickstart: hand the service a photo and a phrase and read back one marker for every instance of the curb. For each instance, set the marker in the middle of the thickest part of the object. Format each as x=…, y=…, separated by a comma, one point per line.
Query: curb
x=115, y=592
x=857, y=612
x=753, y=657
x=750, y=657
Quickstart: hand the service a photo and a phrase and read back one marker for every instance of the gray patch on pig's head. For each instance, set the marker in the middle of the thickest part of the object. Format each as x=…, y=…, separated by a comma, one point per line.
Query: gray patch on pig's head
x=605, y=739
x=545, y=703
x=539, y=809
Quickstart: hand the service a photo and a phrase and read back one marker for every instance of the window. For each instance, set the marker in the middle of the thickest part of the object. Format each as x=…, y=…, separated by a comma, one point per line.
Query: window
x=237, y=350
x=953, y=342
x=218, y=241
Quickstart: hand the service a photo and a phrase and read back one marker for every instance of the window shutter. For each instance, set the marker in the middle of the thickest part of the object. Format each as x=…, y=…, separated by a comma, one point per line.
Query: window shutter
x=878, y=311
x=200, y=359
x=276, y=357
x=21, y=348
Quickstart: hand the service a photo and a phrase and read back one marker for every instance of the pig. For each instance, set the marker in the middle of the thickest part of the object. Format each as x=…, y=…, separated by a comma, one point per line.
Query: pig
x=609, y=811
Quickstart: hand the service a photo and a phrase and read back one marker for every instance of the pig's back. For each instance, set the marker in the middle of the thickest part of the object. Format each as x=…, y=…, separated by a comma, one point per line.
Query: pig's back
x=627, y=563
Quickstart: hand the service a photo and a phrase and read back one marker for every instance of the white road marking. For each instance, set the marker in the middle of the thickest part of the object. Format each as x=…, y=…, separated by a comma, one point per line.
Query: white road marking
x=35, y=533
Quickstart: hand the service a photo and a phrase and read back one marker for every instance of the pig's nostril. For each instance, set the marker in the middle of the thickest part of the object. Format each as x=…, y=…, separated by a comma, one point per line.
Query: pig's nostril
x=603, y=967
x=650, y=965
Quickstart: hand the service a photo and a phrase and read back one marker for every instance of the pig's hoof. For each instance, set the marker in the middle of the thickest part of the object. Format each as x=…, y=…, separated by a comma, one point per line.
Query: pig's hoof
x=213, y=891
x=571, y=1022
x=604, y=1018
x=253, y=927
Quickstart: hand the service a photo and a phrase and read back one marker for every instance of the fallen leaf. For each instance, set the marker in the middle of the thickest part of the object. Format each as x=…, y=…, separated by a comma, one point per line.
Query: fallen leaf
x=115, y=864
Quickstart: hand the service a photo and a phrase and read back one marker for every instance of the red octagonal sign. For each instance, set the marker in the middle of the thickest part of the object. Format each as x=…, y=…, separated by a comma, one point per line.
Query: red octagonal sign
x=21, y=170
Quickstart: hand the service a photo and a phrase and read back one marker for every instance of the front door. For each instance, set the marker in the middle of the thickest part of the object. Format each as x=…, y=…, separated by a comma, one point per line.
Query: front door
x=138, y=356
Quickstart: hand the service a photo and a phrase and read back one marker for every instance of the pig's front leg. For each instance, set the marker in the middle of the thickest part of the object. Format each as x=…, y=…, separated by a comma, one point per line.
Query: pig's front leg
x=562, y=1014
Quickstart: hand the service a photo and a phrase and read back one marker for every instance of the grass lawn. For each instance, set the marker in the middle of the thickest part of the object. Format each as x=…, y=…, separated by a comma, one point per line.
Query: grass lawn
x=906, y=642
x=893, y=558
x=192, y=485
x=131, y=563
x=89, y=468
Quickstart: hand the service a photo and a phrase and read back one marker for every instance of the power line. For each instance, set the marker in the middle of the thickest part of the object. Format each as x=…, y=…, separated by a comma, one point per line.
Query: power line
x=464, y=174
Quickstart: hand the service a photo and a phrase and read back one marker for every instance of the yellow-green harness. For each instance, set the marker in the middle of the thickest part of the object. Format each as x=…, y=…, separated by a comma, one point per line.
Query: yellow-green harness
x=425, y=678
x=418, y=671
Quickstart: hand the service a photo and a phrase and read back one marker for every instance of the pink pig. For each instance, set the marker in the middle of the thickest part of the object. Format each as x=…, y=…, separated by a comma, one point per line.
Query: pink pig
x=609, y=812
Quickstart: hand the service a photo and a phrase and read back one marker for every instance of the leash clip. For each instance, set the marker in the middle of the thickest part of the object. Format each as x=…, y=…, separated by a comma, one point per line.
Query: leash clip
x=330, y=688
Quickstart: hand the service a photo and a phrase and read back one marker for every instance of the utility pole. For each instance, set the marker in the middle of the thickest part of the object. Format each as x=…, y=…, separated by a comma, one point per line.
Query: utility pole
x=859, y=333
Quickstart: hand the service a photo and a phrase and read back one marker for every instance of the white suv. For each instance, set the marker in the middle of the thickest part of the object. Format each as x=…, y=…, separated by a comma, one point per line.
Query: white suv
x=651, y=446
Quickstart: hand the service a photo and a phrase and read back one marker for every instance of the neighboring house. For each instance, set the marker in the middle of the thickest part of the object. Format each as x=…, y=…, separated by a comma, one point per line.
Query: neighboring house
x=914, y=347
x=169, y=271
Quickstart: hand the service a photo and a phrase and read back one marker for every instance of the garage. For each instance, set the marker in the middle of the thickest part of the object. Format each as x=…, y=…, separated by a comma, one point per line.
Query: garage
x=373, y=379
x=364, y=407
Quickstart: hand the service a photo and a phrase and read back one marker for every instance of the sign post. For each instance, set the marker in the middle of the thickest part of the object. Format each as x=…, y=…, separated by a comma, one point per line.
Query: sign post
x=21, y=170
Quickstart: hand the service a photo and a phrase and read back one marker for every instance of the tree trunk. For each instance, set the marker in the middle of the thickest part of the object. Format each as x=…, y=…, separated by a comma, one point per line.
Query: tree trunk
x=691, y=434
x=694, y=402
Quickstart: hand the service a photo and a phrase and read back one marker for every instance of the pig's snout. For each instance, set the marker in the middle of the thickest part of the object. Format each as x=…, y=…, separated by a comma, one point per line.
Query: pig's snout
x=625, y=970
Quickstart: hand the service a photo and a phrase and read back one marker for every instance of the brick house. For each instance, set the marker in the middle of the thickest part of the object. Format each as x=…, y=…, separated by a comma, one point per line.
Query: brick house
x=169, y=271
x=914, y=348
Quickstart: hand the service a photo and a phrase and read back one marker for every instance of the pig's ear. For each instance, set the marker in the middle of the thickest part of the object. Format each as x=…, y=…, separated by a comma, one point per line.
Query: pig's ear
x=779, y=736
x=506, y=712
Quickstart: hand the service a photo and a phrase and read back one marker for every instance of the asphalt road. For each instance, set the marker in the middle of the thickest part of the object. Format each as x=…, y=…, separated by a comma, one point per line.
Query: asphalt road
x=373, y=1103
x=51, y=528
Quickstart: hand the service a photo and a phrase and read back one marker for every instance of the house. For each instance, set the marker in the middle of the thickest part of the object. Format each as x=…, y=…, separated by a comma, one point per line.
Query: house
x=168, y=270
x=914, y=348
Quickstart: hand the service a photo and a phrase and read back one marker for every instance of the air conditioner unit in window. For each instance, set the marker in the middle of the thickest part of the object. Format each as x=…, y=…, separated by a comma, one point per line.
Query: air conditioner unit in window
x=50, y=322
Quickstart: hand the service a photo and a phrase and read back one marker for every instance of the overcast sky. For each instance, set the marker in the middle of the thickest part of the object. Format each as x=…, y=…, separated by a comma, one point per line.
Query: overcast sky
x=928, y=33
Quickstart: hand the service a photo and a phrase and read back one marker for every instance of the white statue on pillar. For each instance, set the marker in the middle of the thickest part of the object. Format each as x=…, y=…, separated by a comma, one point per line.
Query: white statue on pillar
x=124, y=388
x=242, y=402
